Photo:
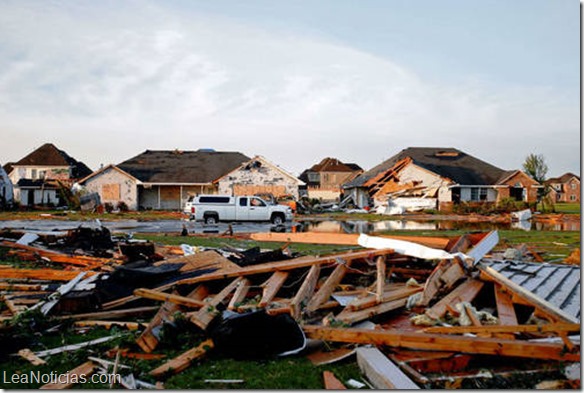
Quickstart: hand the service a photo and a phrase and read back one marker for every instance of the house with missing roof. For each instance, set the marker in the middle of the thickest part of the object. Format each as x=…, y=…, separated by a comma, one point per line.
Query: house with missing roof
x=162, y=179
x=565, y=188
x=38, y=177
x=259, y=176
x=443, y=176
x=324, y=180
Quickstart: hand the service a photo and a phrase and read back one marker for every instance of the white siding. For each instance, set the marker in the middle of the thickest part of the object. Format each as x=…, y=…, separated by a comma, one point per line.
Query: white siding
x=264, y=176
x=128, y=191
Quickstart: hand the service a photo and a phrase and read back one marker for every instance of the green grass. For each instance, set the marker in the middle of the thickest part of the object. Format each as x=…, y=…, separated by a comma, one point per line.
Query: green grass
x=568, y=208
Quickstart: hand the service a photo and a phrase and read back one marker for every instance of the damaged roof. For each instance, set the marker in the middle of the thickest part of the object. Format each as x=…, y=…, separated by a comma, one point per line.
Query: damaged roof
x=334, y=165
x=49, y=155
x=447, y=162
x=557, y=284
x=566, y=177
x=182, y=167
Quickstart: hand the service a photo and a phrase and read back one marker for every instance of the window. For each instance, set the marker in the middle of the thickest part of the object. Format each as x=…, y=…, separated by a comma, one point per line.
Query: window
x=33, y=173
x=572, y=198
x=313, y=177
x=483, y=194
x=573, y=186
x=478, y=194
x=214, y=199
x=257, y=202
x=242, y=201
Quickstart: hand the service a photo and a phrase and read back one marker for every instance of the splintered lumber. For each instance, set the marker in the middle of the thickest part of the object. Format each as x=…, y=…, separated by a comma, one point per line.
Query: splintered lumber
x=183, y=361
x=491, y=274
x=78, y=374
x=465, y=292
x=239, y=294
x=290, y=264
x=331, y=382
x=350, y=317
x=438, y=342
x=31, y=357
x=168, y=297
x=394, y=292
x=381, y=372
x=325, y=291
x=348, y=239
x=544, y=328
x=41, y=274
x=505, y=309
x=109, y=324
x=201, y=260
x=380, y=284
x=306, y=290
x=148, y=340
x=206, y=314
x=271, y=287
x=74, y=347
x=40, y=251
x=130, y=312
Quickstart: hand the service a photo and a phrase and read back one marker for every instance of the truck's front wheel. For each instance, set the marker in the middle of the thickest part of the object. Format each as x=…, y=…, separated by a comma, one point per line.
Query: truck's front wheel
x=211, y=220
x=278, y=219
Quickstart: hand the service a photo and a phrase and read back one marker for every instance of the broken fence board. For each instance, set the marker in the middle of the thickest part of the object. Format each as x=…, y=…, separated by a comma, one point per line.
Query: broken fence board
x=381, y=372
x=437, y=342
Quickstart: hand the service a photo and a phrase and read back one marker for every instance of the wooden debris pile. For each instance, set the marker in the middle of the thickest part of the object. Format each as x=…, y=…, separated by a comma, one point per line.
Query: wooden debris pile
x=416, y=311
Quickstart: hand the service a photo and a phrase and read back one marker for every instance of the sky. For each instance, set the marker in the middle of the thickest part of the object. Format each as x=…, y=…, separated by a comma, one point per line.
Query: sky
x=294, y=81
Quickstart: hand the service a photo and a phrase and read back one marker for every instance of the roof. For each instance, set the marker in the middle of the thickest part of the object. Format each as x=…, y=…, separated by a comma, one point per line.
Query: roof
x=330, y=164
x=104, y=169
x=555, y=283
x=258, y=161
x=566, y=177
x=448, y=162
x=181, y=167
x=8, y=167
x=49, y=155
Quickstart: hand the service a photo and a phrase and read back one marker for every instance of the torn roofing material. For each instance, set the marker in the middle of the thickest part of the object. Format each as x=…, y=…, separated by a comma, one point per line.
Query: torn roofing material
x=174, y=166
x=447, y=162
x=556, y=284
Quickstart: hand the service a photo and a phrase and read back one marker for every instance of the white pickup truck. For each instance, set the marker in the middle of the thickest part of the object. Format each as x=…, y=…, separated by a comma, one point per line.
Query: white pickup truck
x=214, y=208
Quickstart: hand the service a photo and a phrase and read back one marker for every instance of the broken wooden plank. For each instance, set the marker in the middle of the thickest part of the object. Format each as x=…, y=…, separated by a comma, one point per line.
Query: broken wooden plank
x=130, y=312
x=78, y=374
x=543, y=328
x=201, y=260
x=75, y=347
x=320, y=357
x=290, y=264
x=239, y=294
x=325, y=291
x=505, y=310
x=305, y=292
x=341, y=238
x=109, y=324
x=168, y=297
x=183, y=361
x=437, y=342
x=381, y=372
x=331, y=382
x=271, y=287
x=350, y=317
x=526, y=295
x=380, y=283
x=206, y=314
x=31, y=357
x=465, y=292
x=41, y=274
x=394, y=293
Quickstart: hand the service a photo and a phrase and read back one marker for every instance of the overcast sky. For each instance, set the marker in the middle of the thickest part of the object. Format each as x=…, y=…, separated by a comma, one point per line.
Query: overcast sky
x=292, y=80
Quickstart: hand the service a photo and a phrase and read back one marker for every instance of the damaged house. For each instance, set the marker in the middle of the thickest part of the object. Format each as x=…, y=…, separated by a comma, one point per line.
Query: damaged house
x=324, y=180
x=162, y=179
x=259, y=176
x=438, y=178
x=6, y=190
x=39, y=177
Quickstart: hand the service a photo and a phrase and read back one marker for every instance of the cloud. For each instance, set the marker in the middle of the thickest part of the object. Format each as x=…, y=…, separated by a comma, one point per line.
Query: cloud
x=106, y=81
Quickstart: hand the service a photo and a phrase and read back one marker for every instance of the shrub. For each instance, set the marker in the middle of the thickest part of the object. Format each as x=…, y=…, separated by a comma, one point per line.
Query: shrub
x=109, y=207
x=123, y=206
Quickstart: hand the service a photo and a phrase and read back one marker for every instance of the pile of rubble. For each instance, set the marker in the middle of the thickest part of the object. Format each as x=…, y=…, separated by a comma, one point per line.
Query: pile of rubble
x=415, y=311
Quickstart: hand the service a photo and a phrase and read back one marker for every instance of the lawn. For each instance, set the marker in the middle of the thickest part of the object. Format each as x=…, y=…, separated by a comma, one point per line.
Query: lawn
x=568, y=208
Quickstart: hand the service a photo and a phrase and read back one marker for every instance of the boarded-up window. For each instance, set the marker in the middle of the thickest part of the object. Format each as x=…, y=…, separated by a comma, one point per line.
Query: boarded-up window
x=110, y=192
